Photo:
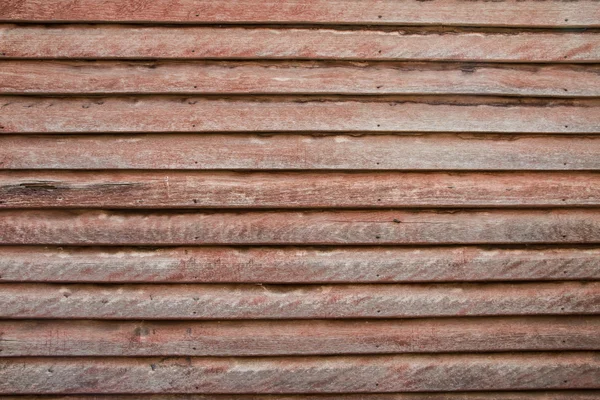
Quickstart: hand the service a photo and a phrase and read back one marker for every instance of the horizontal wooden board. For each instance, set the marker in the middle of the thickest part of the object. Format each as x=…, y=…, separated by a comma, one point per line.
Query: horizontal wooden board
x=156, y=301
x=504, y=395
x=197, y=114
x=296, y=265
x=317, y=337
x=345, y=12
x=408, y=373
x=132, y=42
x=292, y=190
x=76, y=77
x=301, y=152
x=391, y=227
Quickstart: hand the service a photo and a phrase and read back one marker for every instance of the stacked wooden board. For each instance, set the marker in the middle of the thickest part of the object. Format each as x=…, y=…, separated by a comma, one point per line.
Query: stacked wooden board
x=299, y=199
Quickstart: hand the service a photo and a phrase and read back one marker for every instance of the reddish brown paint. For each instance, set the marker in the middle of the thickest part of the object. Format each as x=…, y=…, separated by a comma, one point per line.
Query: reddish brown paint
x=205, y=77
x=297, y=264
x=316, y=337
x=295, y=190
x=395, y=227
x=301, y=152
x=344, y=12
x=155, y=301
x=431, y=119
x=197, y=114
x=248, y=43
x=409, y=373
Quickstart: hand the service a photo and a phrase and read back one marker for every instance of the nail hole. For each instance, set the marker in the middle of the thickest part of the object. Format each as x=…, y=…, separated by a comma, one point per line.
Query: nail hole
x=377, y=237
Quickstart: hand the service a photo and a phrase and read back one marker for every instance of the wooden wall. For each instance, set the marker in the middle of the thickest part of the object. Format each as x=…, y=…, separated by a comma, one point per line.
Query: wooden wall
x=299, y=199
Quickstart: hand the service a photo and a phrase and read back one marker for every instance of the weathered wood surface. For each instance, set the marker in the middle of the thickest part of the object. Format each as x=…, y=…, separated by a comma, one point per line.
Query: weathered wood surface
x=198, y=114
x=504, y=395
x=317, y=337
x=76, y=77
x=130, y=42
x=295, y=190
x=156, y=301
x=301, y=152
x=297, y=265
x=302, y=228
x=583, y=13
x=333, y=374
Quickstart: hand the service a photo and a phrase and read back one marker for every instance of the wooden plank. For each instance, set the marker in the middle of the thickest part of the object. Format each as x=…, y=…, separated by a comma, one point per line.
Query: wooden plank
x=333, y=374
x=504, y=395
x=297, y=265
x=197, y=114
x=155, y=190
x=107, y=77
x=345, y=12
x=301, y=152
x=131, y=42
x=319, y=337
x=394, y=227
x=168, y=301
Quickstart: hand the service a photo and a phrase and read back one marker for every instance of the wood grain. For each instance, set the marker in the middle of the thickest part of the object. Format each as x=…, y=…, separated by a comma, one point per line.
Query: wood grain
x=345, y=12
x=76, y=77
x=333, y=374
x=160, y=42
x=163, y=301
x=317, y=337
x=301, y=152
x=151, y=190
x=297, y=265
x=299, y=228
x=504, y=395
x=197, y=114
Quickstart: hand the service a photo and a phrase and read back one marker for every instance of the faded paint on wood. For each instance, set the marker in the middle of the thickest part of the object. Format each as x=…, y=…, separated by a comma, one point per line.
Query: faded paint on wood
x=197, y=114
x=295, y=190
x=297, y=264
x=256, y=338
x=392, y=227
x=76, y=77
x=301, y=152
x=51, y=301
x=341, y=12
x=159, y=42
x=529, y=395
x=331, y=374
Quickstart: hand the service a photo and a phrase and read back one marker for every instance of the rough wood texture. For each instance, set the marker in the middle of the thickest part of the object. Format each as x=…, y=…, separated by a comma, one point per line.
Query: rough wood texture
x=344, y=12
x=301, y=152
x=296, y=265
x=295, y=190
x=52, y=301
x=36, y=77
x=302, y=228
x=197, y=114
x=333, y=374
x=529, y=395
x=127, y=42
x=263, y=338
